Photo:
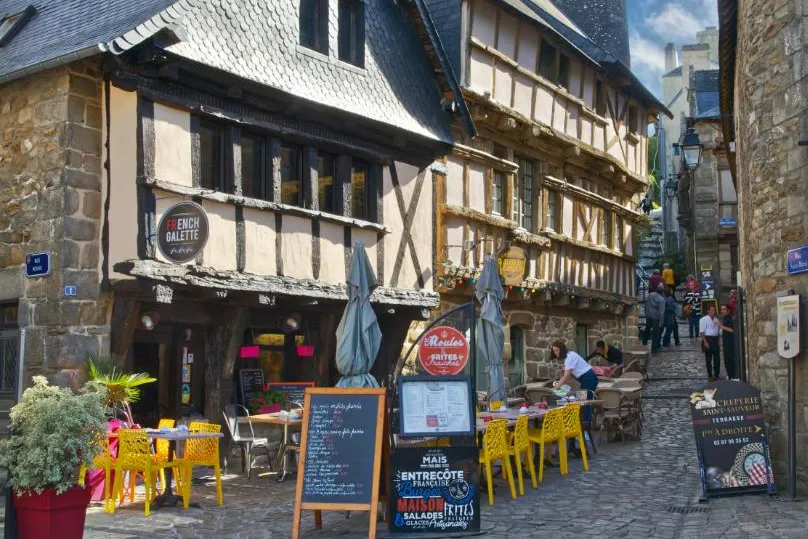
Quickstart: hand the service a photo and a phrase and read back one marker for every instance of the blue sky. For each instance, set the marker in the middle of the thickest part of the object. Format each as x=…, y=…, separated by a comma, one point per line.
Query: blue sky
x=653, y=23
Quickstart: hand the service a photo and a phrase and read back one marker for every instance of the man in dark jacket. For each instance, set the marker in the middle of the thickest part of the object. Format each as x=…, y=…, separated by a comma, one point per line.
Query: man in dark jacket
x=611, y=354
x=654, y=281
x=654, y=314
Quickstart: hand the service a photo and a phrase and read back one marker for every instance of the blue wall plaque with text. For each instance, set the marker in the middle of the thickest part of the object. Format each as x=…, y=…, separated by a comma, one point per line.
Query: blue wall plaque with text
x=797, y=260
x=37, y=264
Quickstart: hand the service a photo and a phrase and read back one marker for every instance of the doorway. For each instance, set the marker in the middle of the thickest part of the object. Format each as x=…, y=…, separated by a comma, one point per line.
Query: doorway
x=154, y=403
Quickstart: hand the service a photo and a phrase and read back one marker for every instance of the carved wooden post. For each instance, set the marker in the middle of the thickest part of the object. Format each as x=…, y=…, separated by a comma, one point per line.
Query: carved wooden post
x=125, y=316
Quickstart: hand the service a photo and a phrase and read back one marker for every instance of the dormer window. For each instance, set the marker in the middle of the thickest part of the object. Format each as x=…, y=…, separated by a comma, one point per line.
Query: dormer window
x=352, y=32
x=314, y=25
x=11, y=24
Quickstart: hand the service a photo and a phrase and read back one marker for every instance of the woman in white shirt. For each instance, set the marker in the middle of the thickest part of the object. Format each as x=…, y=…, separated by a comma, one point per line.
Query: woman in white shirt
x=574, y=367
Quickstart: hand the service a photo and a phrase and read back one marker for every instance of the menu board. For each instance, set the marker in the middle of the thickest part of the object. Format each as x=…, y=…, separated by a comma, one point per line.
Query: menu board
x=435, y=490
x=251, y=382
x=295, y=391
x=340, y=453
x=730, y=432
x=435, y=406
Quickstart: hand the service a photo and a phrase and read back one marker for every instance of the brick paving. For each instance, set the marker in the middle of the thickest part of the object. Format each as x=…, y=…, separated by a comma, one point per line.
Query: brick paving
x=634, y=489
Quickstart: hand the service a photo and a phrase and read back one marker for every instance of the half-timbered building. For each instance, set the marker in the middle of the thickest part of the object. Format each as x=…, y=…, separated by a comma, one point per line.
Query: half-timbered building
x=551, y=183
x=298, y=127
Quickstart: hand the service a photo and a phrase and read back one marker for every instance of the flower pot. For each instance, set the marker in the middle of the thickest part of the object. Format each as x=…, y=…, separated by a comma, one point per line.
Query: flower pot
x=52, y=516
x=269, y=408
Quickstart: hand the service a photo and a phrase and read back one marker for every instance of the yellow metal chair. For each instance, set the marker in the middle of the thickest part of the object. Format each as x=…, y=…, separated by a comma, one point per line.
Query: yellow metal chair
x=520, y=445
x=161, y=448
x=552, y=431
x=573, y=429
x=496, y=405
x=135, y=455
x=200, y=452
x=495, y=447
x=104, y=461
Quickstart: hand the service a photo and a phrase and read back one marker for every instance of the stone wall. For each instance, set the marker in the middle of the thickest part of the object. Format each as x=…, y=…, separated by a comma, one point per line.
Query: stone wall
x=771, y=88
x=50, y=197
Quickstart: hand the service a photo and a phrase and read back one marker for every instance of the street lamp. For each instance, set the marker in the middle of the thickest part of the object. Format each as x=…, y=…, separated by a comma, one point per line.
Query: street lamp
x=691, y=149
x=671, y=187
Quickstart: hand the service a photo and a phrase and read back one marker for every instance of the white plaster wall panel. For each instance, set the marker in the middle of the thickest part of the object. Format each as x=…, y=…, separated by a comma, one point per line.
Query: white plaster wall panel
x=523, y=95
x=572, y=119
x=477, y=186
x=220, y=251
x=567, y=222
x=454, y=239
x=172, y=145
x=586, y=271
x=598, y=136
x=296, y=249
x=423, y=234
x=163, y=201
x=259, y=242
x=370, y=239
x=629, y=240
x=575, y=77
x=560, y=114
x=123, y=167
x=586, y=130
x=392, y=219
x=544, y=105
x=481, y=71
x=407, y=176
x=454, y=181
x=532, y=267
x=589, y=88
x=332, y=253
x=503, y=83
x=484, y=22
x=528, y=48
x=506, y=38
x=632, y=157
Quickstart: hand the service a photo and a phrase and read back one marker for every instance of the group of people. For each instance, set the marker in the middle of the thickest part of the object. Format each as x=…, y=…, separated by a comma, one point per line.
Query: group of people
x=714, y=333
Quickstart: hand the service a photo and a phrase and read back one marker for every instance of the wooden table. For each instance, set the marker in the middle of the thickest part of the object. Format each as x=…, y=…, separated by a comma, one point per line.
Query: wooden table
x=285, y=422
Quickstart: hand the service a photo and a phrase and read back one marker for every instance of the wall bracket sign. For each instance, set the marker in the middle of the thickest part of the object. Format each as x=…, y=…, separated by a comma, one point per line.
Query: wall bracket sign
x=182, y=232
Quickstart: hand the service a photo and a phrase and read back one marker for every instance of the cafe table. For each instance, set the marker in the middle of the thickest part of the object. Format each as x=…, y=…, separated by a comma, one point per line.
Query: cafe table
x=176, y=438
x=285, y=421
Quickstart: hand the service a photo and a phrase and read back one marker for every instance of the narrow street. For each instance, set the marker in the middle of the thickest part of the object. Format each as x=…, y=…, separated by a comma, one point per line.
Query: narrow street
x=637, y=489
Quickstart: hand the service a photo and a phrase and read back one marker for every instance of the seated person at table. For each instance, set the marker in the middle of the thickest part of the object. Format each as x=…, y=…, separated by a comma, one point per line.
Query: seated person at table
x=612, y=354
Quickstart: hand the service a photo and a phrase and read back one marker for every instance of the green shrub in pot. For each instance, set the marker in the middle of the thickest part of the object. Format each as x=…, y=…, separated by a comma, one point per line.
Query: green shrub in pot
x=54, y=432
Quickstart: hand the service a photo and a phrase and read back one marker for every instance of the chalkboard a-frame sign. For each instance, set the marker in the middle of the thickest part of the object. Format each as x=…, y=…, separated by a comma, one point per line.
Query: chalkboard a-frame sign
x=340, y=453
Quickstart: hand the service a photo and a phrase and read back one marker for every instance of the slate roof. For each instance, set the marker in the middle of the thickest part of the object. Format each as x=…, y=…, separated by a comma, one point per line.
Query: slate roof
x=604, y=21
x=675, y=72
x=252, y=39
x=445, y=16
x=705, y=96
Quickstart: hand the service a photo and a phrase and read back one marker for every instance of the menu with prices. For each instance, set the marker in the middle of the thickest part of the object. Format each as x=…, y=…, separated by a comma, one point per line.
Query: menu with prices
x=435, y=491
x=340, y=449
x=730, y=431
x=435, y=406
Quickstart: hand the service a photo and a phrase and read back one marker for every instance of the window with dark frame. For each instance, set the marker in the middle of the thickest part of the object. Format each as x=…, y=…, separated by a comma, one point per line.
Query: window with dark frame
x=325, y=182
x=252, y=165
x=553, y=208
x=351, y=36
x=564, y=71
x=496, y=192
x=547, y=62
x=314, y=25
x=523, y=195
x=211, y=155
x=359, y=189
x=600, y=98
x=291, y=175
x=618, y=236
x=633, y=120
x=606, y=228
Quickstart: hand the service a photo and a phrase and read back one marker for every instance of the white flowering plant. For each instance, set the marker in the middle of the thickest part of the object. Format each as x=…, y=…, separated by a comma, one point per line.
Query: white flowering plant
x=54, y=432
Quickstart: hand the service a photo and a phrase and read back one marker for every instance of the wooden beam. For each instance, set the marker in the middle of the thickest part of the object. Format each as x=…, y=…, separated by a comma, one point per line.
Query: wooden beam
x=125, y=319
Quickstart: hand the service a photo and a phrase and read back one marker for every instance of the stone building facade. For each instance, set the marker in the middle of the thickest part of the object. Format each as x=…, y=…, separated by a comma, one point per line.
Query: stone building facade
x=764, y=47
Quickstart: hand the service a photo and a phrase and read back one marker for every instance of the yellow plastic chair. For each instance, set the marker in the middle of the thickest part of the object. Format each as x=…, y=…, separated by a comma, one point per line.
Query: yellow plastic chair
x=520, y=445
x=495, y=447
x=135, y=455
x=496, y=405
x=161, y=448
x=200, y=452
x=573, y=429
x=104, y=461
x=552, y=431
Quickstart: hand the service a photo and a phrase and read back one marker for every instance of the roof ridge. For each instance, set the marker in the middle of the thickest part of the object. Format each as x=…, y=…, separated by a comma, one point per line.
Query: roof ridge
x=148, y=28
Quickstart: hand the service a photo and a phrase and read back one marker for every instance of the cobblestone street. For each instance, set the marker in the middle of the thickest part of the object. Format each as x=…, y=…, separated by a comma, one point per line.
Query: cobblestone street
x=636, y=489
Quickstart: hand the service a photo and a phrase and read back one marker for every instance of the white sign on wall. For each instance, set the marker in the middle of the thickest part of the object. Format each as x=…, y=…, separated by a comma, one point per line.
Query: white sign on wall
x=788, y=326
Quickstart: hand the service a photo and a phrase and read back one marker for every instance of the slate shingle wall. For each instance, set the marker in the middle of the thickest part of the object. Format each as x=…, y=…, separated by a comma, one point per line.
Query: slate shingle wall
x=446, y=16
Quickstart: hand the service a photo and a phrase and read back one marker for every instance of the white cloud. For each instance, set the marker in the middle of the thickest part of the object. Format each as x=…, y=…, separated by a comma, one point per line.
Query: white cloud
x=647, y=53
x=678, y=23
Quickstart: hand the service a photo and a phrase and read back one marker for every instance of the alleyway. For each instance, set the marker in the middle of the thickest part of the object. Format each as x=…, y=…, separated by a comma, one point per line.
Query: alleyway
x=638, y=489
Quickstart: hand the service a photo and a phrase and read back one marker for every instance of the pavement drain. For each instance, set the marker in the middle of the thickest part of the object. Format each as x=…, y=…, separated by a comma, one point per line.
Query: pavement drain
x=685, y=510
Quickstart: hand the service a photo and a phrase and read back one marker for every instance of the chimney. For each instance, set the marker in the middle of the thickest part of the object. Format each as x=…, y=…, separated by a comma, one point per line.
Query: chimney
x=604, y=21
x=670, y=57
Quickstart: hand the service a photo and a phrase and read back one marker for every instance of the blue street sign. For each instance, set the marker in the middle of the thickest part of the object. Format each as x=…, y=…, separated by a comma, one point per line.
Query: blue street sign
x=37, y=264
x=797, y=260
x=728, y=221
x=70, y=290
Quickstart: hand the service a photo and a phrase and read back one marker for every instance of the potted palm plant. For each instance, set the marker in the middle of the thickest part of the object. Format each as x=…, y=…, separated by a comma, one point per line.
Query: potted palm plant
x=54, y=433
x=122, y=389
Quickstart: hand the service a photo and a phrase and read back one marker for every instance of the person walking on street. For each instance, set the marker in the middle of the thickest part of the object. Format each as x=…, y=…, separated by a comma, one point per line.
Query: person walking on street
x=654, y=281
x=709, y=330
x=670, y=320
x=728, y=342
x=690, y=310
x=655, y=315
x=668, y=277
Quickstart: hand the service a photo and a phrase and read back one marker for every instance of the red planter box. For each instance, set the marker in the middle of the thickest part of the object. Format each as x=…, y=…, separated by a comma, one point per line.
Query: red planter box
x=269, y=409
x=52, y=516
